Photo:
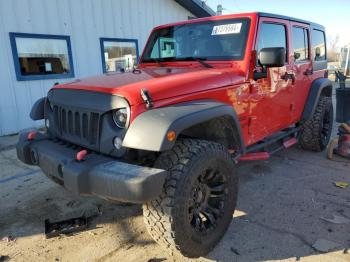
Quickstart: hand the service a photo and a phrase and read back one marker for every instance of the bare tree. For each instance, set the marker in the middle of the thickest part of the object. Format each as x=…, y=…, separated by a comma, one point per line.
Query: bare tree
x=333, y=48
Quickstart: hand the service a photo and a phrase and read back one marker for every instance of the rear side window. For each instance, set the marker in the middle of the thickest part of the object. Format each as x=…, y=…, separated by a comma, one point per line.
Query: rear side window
x=300, y=44
x=272, y=35
x=318, y=45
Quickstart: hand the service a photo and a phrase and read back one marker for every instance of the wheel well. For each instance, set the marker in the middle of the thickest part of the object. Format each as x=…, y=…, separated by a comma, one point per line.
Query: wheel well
x=221, y=130
x=327, y=91
x=320, y=87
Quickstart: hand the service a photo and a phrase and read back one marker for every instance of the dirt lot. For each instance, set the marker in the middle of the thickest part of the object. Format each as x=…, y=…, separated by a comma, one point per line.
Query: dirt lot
x=283, y=207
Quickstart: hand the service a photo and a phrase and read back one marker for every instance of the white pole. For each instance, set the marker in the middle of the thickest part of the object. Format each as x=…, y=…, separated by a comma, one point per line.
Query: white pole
x=219, y=10
x=347, y=60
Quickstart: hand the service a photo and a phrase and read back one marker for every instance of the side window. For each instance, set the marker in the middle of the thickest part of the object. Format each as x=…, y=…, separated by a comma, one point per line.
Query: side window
x=318, y=45
x=272, y=35
x=300, y=44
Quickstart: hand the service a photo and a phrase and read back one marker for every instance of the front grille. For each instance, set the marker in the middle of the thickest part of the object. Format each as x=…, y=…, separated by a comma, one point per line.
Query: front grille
x=77, y=126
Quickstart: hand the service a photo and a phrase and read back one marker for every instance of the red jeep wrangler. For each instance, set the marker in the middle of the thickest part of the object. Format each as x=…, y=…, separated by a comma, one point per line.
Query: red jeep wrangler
x=206, y=94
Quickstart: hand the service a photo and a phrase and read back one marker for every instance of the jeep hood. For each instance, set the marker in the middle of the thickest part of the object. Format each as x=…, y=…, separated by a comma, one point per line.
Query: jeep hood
x=161, y=82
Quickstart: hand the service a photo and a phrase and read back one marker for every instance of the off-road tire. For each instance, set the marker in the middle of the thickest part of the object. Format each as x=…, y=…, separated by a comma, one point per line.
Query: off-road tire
x=168, y=218
x=316, y=132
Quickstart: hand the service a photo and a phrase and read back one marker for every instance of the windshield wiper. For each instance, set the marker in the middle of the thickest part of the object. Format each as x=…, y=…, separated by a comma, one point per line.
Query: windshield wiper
x=200, y=60
x=158, y=61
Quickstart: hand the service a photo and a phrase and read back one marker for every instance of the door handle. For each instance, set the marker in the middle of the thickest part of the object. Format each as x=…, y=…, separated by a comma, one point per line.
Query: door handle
x=288, y=76
x=309, y=72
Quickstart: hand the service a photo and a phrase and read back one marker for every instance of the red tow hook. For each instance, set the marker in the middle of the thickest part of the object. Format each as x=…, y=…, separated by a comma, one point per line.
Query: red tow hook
x=31, y=135
x=81, y=154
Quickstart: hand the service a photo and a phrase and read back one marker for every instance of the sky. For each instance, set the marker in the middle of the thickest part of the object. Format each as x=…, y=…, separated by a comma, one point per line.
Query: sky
x=333, y=14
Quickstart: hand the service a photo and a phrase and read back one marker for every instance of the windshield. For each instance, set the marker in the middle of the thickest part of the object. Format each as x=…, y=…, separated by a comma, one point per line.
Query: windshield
x=210, y=40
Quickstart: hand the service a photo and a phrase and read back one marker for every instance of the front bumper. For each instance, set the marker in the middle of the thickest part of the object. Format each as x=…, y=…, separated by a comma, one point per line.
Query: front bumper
x=95, y=175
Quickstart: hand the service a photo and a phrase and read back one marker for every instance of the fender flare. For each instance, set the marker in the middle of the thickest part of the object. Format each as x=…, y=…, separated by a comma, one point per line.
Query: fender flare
x=149, y=130
x=319, y=86
x=37, y=111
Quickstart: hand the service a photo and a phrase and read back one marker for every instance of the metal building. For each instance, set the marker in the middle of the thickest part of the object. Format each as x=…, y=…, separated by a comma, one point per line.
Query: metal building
x=47, y=41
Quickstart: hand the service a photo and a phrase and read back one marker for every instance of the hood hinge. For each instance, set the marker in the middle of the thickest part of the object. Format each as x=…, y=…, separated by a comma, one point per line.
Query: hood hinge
x=146, y=98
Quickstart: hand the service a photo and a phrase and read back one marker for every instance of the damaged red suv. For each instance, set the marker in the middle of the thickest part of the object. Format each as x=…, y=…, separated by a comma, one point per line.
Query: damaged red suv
x=206, y=94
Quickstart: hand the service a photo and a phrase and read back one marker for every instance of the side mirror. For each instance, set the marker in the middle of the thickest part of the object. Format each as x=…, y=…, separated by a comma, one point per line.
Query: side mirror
x=272, y=57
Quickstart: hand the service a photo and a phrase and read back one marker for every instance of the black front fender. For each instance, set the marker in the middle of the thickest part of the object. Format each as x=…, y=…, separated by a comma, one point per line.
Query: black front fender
x=149, y=130
x=37, y=112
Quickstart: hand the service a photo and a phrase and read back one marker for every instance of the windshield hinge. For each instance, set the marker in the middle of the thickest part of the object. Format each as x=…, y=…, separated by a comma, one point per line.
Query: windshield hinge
x=146, y=98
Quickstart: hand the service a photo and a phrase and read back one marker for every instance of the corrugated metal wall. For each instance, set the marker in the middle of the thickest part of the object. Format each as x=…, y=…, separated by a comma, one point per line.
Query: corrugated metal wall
x=85, y=21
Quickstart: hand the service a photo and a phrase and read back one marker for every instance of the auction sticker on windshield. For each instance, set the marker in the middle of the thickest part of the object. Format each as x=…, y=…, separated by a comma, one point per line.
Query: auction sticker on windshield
x=227, y=29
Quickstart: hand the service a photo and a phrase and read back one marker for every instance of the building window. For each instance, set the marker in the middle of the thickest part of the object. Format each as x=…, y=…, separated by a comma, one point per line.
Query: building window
x=318, y=45
x=119, y=55
x=41, y=56
x=300, y=44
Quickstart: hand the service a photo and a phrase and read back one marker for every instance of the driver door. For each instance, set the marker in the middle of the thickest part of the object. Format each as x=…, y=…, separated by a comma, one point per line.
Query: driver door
x=271, y=99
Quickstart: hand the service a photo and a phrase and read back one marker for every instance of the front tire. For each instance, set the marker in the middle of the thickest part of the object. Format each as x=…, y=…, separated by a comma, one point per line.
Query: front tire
x=198, y=200
x=316, y=132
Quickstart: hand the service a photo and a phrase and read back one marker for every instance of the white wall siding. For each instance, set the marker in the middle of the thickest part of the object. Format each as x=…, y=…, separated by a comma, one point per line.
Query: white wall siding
x=85, y=21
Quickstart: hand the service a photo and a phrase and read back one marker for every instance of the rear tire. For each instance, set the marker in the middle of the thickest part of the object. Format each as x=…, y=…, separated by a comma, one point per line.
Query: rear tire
x=316, y=132
x=198, y=200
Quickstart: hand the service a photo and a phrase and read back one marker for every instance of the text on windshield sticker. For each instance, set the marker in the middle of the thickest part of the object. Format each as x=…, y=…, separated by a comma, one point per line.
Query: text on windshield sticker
x=227, y=29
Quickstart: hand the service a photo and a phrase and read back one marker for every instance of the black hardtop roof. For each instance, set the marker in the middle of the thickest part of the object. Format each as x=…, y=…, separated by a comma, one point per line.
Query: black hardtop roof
x=314, y=25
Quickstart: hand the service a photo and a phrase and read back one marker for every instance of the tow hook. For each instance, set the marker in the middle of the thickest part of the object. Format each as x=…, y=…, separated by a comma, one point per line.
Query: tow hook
x=81, y=155
x=31, y=135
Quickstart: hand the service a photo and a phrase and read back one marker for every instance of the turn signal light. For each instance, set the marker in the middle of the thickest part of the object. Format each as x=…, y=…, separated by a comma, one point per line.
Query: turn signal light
x=171, y=135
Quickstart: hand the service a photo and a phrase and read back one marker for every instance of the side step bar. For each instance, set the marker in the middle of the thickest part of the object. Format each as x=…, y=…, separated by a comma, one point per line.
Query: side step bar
x=259, y=151
x=290, y=142
x=255, y=156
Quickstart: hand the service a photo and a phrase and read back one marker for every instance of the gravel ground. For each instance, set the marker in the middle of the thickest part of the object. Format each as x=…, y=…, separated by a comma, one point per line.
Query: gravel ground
x=281, y=203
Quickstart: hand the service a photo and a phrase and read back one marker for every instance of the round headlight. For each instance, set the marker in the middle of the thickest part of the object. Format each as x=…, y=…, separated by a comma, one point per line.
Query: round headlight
x=120, y=117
